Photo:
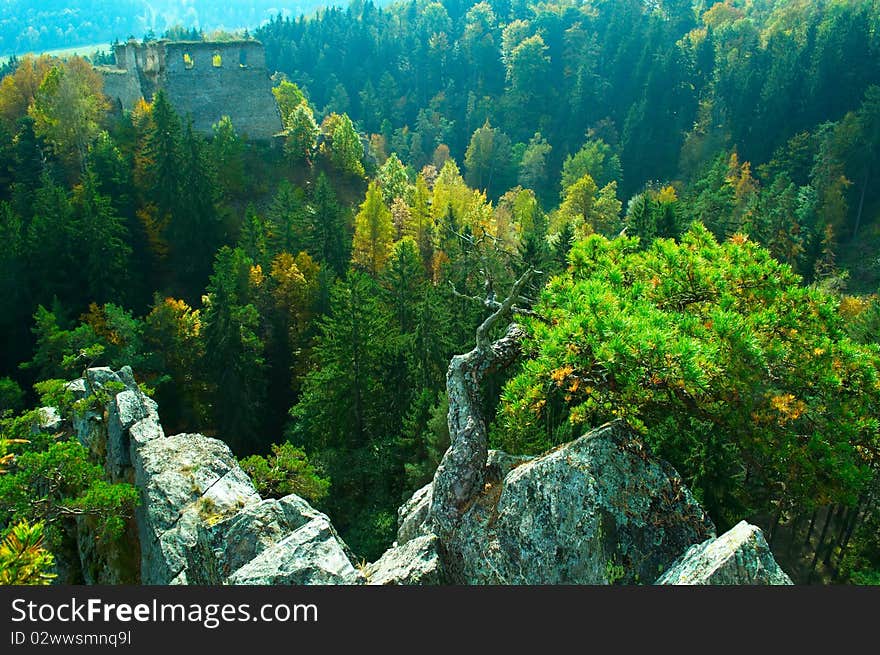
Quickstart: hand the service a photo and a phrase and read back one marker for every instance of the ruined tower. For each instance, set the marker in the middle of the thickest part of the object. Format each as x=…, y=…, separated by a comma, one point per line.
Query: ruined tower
x=203, y=79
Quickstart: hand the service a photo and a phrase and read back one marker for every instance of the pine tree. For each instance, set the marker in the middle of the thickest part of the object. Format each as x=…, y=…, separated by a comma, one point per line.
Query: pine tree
x=13, y=285
x=302, y=134
x=344, y=148
x=420, y=223
x=101, y=247
x=286, y=219
x=641, y=219
x=327, y=235
x=403, y=279
x=254, y=236
x=159, y=156
x=194, y=231
x=234, y=352
x=394, y=181
x=50, y=233
x=343, y=417
x=227, y=159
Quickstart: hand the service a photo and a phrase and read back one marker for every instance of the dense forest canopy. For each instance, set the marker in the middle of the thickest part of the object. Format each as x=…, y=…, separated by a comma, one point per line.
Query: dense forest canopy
x=696, y=183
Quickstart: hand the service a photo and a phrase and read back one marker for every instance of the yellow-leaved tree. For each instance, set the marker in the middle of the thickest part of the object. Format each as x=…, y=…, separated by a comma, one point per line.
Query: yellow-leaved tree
x=68, y=109
x=373, y=232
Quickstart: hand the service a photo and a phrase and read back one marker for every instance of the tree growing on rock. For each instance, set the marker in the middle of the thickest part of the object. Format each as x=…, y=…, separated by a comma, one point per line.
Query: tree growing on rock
x=462, y=471
x=286, y=471
x=736, y=373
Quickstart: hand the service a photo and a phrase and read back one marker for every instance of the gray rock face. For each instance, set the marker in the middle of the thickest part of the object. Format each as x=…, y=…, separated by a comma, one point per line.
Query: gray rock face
x=598, y=510
x=499, y=463
x=185, y=480
x=412, y=516
x=101, y=376
x=224, y=547
x=740, y=556
x=89, y=424
x=200, y=519
x=125, y=409
x=310, y=555
x=595, y=511
x=50, y=420
x=416, y=562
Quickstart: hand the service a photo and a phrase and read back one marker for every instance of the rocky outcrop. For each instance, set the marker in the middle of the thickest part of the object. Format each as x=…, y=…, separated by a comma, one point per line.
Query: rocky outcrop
x=200, y=519
x=111, y=415
x=412, y=516
x=416, y=562
x=185, y=480
x=598, y=510
x=310, y=555
x=225, y=548
x=740, y=556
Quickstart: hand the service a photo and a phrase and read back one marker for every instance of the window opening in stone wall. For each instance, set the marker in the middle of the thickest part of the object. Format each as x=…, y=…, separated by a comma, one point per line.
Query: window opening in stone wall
x=216, y=60
x=242, y=58
x=188, y=61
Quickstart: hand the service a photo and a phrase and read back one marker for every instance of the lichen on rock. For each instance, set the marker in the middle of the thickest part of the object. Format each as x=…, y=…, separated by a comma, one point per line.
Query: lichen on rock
x=598, y=510
x=740, y=556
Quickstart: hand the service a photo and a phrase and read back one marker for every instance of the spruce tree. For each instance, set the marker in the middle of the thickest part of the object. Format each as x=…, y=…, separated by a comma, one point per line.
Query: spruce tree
x=234, y=353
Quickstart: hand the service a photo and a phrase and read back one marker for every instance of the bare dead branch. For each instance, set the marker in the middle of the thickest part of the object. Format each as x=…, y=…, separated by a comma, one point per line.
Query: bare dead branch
x=503, y=310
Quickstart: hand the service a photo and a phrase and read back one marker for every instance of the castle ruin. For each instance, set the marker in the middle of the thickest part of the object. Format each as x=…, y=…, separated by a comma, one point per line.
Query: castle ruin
x=202, y=79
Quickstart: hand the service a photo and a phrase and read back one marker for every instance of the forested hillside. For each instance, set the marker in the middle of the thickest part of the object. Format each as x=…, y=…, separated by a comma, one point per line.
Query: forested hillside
x=697, y=187
x=633, y=92
x=28, y=26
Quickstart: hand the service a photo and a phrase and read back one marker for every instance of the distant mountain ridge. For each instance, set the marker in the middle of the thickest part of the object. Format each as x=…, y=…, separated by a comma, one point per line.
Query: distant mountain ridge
x=27, y=26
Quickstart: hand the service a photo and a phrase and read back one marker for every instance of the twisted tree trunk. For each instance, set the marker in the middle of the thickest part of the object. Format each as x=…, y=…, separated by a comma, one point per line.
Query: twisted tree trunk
x=461, y=474
x=462, y=471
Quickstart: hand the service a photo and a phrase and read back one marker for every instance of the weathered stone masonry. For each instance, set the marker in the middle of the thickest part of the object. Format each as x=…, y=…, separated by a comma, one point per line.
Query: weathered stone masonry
x=203, y=79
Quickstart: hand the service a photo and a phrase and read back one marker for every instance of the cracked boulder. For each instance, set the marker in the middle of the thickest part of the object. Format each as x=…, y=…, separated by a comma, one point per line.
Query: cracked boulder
x=412, y=516
x=740, y=556
x=313, y=554
x=597, y=510
x=224, y=547
x=200, y=519
x=185, y=480
x=416, y=562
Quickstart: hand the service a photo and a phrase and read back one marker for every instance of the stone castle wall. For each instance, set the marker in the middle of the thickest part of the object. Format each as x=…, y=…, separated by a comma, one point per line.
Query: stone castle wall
x=203, y=80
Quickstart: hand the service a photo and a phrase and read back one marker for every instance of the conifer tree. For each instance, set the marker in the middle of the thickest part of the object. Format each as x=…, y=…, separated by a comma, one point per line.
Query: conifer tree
x=159, y=155
x=194, y=231
x=234, y=352
x=327, y=234
x=102, y=249
x=286, y=220
x=420, y=223
x=49, y=233
x=302, y=134
x=343, y=417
